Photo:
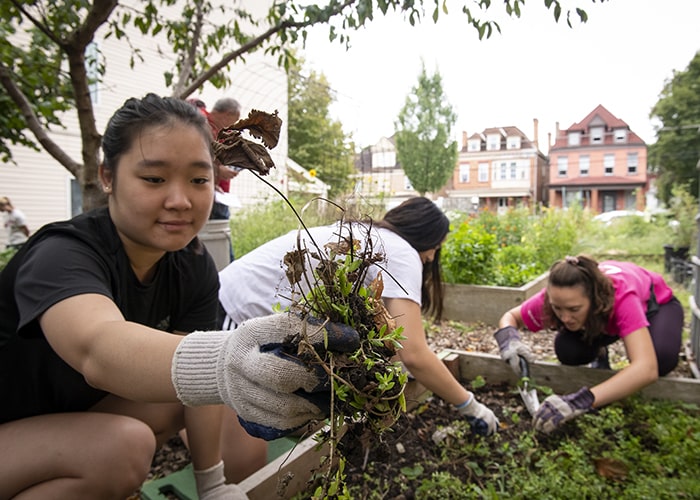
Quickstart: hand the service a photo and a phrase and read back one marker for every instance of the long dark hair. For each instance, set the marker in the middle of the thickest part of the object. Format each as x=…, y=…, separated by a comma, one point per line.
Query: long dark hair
x=135, y=115
x=424, y=226
x=583, y=271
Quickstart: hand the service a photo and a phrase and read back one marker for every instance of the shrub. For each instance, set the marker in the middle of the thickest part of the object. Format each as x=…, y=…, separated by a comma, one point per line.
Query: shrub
x=510, y=249
x=467, y=255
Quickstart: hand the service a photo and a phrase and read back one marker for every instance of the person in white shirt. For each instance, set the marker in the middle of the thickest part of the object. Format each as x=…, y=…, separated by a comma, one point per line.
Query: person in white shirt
x=410, y=236
x=15, y=222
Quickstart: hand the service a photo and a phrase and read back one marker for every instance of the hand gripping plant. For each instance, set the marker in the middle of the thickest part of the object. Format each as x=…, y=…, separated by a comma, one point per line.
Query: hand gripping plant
x=331, y=283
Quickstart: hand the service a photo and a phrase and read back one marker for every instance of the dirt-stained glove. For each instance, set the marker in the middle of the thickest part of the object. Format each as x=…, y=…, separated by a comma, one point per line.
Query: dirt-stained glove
x=211, y=485
x=482, y=420
x=556, y=410
x=255, y=370
x=511, y=347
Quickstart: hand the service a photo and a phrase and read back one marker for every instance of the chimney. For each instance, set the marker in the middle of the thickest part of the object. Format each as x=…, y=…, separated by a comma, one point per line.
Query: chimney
x=464, y=139
x=536, y=125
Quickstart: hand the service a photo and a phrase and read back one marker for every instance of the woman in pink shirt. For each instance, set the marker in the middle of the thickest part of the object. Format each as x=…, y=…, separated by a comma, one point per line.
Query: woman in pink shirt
x=591, y=305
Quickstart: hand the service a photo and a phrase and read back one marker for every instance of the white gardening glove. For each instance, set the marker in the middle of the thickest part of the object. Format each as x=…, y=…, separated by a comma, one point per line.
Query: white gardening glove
x=557, y=410
x=255, y=370
x=511, y=348
x=211, y=485
x=481, y=419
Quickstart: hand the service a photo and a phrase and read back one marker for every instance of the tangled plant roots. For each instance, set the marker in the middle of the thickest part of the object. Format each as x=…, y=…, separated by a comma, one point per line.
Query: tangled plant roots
x=333, y=283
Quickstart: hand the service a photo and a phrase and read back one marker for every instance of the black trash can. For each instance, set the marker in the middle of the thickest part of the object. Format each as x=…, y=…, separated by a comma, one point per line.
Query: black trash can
x=671, y=252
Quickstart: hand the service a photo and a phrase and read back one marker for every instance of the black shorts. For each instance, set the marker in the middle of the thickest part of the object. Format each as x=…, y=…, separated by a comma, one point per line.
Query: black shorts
x=34, y=380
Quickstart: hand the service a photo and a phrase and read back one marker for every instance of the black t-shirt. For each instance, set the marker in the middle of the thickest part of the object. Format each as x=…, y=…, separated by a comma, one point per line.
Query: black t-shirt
x=85, y=255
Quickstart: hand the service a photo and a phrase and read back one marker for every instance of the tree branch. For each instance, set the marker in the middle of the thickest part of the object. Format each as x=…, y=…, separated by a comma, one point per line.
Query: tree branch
x=256, y=42
x=188, y=62
x=33, y=122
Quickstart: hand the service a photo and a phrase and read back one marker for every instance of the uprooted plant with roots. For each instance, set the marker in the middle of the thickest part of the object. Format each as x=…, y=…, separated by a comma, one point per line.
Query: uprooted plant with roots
x=339, y=283
x=336, y=283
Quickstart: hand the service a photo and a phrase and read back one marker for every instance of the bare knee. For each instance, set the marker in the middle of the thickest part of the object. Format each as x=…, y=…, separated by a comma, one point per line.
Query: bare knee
x=74, y=455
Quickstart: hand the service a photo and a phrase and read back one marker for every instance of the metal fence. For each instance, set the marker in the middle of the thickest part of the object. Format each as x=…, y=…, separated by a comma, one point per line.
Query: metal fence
x=695, y=319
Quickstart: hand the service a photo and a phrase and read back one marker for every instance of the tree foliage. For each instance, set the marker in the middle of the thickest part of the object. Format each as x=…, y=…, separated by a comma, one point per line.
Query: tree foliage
x=44, y=53
x=676, y=153
x=315, y=140
x=426, y=151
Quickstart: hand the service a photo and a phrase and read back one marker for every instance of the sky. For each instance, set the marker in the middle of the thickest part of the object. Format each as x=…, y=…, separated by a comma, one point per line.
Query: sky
x=534, y=69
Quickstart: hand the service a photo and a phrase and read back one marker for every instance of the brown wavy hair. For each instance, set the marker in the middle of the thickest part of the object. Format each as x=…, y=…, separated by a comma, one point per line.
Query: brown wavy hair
x=582, y=270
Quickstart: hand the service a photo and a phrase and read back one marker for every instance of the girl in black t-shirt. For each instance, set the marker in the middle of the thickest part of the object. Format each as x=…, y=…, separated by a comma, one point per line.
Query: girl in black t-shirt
x=94, y=364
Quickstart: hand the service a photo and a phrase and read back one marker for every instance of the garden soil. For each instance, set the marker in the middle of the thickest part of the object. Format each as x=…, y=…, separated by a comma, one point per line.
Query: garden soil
x=412, y=440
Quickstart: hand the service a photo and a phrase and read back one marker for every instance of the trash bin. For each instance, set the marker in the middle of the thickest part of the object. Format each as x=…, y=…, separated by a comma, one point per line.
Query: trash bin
x=671, y=252
x=216, y=236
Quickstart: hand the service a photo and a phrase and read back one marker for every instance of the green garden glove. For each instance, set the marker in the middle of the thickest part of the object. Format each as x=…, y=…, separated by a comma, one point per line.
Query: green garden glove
x=255, y=370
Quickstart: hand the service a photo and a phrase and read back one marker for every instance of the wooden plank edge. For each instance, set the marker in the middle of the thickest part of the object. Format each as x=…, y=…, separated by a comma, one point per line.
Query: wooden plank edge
x=562, y=378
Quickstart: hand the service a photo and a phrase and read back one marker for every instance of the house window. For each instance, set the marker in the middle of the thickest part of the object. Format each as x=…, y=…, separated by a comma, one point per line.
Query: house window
x=474, y=145
x=384, y=159
x=407, y=183
x=574, y=138
x=632, y=163
x=597, y=135
x=513, y=142
x=483, y=172
x=584, y=165
x=493, y=142
x=513, y=170
x=92, y=70
x=464, y=173
x=609, y=164
x=620, y=135
x=502, y=202
x=502, y=171
x=562, y=166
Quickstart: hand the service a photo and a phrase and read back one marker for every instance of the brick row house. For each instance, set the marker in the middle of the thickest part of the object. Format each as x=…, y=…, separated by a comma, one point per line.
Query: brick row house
x=599, y=163
x=498, y=168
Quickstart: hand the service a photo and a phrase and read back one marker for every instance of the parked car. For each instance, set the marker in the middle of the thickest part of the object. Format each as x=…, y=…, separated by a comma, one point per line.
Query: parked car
x=608, y=217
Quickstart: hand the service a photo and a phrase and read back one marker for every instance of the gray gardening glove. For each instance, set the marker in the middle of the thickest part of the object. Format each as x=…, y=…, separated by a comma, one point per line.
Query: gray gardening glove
x=211, y=485
x=511, y=347
x=481, y=419
x=556, y=410
x=255, y=371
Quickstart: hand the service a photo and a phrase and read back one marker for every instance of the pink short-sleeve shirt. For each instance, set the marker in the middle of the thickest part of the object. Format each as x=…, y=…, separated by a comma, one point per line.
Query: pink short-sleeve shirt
x=632, y=286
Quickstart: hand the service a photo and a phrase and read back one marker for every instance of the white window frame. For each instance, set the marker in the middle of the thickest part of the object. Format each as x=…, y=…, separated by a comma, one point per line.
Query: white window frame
x=513, y=142
x=584, y=165
x=574, y=138
x=562, y=166
x=632, y=163
x=493, y=142
x=609, y=164
x=620, y=135
x=464, y=173
x=474, y=145
x=483, y=172
x=597, y=135
x=93, y=61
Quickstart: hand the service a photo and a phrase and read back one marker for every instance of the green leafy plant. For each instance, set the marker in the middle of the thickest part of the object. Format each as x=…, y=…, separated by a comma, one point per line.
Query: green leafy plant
x=368, y=397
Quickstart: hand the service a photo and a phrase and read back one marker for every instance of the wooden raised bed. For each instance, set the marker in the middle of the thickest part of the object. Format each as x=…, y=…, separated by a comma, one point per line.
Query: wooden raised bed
x=473, y=303
x=292, y=470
